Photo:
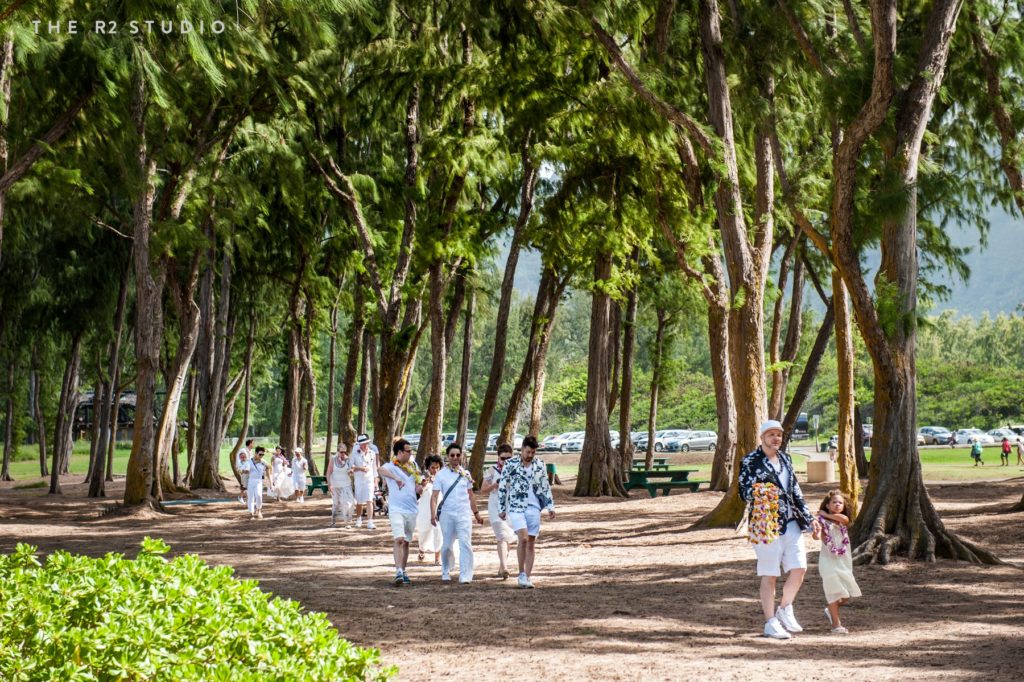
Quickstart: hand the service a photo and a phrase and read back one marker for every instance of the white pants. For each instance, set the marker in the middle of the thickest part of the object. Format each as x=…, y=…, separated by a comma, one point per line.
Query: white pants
x=341, y=502
x=254, y=494
x=457, y=527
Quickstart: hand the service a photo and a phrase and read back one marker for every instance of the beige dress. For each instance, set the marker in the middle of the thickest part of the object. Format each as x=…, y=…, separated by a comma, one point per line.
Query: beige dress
x=836, y=570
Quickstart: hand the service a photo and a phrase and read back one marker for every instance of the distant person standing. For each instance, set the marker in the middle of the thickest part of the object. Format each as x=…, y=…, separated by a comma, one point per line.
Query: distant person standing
x=976, y=452
x=339, y=483
x=299, y=467
x=364, y=469
x=254, y=490
x=1020, y=451
x=1004, y=453
x=404, y=482
x=453, y=507
x=503, y=532
x=523, y=491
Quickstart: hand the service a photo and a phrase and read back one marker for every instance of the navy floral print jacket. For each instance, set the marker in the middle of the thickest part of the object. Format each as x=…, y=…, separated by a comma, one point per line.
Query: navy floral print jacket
x=756, y=469
x=514, y=486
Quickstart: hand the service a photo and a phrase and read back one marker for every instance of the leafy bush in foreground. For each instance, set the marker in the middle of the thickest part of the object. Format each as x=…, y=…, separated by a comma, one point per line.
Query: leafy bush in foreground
x=112, y=618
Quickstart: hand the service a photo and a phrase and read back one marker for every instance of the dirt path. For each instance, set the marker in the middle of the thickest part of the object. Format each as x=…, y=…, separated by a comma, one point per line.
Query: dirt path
x=624, y=592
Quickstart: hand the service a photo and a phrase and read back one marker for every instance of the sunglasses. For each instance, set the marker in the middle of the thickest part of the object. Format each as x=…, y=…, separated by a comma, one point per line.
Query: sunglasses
x=505, y=459
x=455, y=454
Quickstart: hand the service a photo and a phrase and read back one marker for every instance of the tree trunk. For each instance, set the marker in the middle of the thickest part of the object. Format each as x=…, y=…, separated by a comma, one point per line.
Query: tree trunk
x=243, y=433
x=848, y=481
x=430, y=434
x=858, y=442
x=467, y=358
x=66, y=406
x=803, y=388
x=97, y=485
x=718, y=343
x=626, y=394
x=615, y=333
x=374, y=391
x=346, y=431
x=309, y=385
x=397, y=355
x=599, y=470
x=529, y=184
x=192, y=439
x=538, y=321
x=37, y=414
x=292, y=406
x=331, y=365
x=5, y=470
x=540, y=358
x=149, y=322
x=784, y=360
x=656, y=372
x=368, y=353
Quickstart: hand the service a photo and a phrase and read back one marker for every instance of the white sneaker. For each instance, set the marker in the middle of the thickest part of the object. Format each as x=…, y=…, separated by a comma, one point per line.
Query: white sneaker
x=359, y=522
x=445, y=578
x=774, y=629
x=788, y=620
x=524, y=581
x=370, y=526
x=301, y=500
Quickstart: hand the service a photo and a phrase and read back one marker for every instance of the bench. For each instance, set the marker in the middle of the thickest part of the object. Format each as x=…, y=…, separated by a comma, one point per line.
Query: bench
x=316, y=482
x=665, y=480
x=658, y=463
x=666, y=486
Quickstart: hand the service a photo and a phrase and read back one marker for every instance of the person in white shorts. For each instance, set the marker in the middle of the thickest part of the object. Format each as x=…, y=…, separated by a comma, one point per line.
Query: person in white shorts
x=503, y=532
x=254, y=491
x=404, y=482
x=785, y=551
x=523, y=491
x=339, y=483
x=453, y=506
x=364, y=469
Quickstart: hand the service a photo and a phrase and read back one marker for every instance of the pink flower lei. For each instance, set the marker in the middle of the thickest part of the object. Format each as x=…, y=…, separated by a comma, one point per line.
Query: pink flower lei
x=826, y=536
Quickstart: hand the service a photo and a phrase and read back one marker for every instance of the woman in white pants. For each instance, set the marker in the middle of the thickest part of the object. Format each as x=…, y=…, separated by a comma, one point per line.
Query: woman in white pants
x=254, y=489
x=339, y=482
x=299, y=467
x=453, y=505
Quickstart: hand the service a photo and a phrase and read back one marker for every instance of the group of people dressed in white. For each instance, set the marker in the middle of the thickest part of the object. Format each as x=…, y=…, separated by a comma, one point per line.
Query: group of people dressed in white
x=435, y=504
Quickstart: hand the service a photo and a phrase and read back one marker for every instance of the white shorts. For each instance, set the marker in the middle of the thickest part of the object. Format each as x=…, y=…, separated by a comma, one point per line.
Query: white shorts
x=502, y=530
x=402, y=525
x=530, y=520
x=787, y=550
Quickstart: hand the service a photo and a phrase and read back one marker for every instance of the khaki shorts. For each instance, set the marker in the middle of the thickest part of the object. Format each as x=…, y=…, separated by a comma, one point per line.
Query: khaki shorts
x=788, y=550
x=402, y=525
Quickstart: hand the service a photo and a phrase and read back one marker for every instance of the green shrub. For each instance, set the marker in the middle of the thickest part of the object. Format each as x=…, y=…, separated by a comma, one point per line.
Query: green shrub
x=112, y=618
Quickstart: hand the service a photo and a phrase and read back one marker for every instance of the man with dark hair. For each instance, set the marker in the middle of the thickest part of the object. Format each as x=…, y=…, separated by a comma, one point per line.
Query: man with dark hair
x=404, y=482
x=523, y=491
x=503, y=532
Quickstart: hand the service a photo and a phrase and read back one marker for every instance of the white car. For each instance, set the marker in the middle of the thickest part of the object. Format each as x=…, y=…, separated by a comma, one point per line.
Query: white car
x=968, y=436
x=999, y=434
x=573, y=442
x=693, y=440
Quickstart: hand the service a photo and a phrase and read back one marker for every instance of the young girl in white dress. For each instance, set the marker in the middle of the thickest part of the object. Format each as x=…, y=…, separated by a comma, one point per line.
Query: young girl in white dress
x=428, y=535
x=299, y=466
x=254, y=487
x=280, y=475
x=834, y=561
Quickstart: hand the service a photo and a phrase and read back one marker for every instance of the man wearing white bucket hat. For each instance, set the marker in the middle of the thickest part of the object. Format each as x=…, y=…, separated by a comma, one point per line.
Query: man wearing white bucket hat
x=777, y=518
x=364, y=467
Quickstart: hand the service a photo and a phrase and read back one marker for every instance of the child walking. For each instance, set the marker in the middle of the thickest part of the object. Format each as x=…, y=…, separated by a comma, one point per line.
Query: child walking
x=834, y=561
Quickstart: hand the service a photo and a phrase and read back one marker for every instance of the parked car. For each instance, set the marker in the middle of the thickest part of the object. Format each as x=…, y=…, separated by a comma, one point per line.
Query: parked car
x=920, y=439
x=866, y=432
x=999, y=434
x=693, y=440
x=635, y=436
x=934, y=435
x=662, y=437
x=447, y=439
x=492, y=442
x=414, y=440
x=574, y=442
x=968, y=436
x=552, y=443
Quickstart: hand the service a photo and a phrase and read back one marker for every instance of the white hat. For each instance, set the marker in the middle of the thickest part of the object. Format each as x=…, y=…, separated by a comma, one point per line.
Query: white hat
x=298, y=451
x=769, y=425
x=363, y=438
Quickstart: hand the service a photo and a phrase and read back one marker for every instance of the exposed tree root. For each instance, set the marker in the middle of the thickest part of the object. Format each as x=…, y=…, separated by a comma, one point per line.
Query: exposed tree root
x=148, y=509
x=726, y=514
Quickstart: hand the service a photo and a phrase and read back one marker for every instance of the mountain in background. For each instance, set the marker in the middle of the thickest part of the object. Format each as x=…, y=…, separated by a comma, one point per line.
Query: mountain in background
x=996, y=284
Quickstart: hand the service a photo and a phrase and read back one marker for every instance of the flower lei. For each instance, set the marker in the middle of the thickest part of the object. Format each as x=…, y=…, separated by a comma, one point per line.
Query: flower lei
x=409, y=468
x=764, y=516
x=826, y=536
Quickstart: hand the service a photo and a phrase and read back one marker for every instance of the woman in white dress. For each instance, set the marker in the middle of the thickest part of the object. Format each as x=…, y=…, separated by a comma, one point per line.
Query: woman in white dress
x=428, y=535
x=339, y=483
x=280, y=475
x=254, y=487
x=299, y=467
x=364, y=468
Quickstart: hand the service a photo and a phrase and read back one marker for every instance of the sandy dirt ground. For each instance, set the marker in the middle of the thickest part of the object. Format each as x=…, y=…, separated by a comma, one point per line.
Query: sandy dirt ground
x=624, y=591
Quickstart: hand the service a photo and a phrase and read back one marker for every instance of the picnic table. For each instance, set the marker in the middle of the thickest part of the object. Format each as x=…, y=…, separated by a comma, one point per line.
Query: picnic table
x=658, y=463
x=664, y=480
x=316, y=482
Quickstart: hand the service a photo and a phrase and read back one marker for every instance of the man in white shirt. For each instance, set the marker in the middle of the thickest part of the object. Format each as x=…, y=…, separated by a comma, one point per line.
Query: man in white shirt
x=452, y=503
x=404, y=484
